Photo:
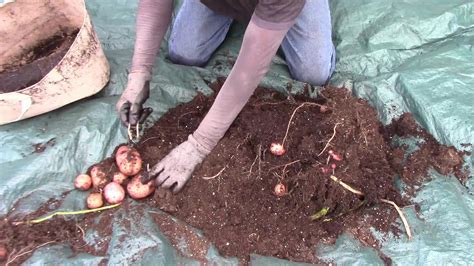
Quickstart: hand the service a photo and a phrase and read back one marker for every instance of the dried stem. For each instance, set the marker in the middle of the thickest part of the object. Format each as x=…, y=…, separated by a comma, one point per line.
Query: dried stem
x=291, y=118
x=329, y=141
x=346, y=186
x=402, y=216
x=400, y=212
x=64, y=213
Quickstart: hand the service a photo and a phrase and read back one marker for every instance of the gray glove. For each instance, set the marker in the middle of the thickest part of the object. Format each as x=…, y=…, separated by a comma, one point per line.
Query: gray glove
x=177, y=167
x=130, y=104
x=153, y=19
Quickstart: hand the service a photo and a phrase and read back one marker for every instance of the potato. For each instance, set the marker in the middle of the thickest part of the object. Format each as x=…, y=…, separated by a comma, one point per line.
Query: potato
x=119, y=178
x=129, y=162
x=119, y=155
x=94, y=200
x=137, y=190
x=83, y=182
x=99, y=178
x=3, y=252
x=114, y=193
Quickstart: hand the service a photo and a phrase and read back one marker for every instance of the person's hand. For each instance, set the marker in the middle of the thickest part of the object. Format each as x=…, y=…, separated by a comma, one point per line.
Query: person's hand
x=130, y=104
x=176, y=168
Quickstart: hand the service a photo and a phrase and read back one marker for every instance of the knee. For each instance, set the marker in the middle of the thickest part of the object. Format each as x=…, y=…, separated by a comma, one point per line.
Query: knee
x=315, y=70
x=184, y=54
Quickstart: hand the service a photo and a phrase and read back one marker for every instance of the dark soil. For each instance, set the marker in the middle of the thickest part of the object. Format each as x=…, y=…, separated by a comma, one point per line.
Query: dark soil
x=237, y=209
x=231, y=195
x=21, y=240
x=36, y=63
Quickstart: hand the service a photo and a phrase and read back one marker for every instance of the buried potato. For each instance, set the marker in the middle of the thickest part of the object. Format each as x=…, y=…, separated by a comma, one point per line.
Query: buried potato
x=137, y=190
x=3, y=252
x=128, y=160
x=114, y=193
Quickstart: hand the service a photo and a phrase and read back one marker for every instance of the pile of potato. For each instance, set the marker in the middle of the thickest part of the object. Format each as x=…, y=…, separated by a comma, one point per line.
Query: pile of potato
x=129, y=164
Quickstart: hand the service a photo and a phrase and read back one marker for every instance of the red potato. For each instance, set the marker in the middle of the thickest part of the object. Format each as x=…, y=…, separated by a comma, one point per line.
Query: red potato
x=119, y=178
x=3, y=252
x=114, y=193
x=94, y=200
x=119, y=155
x=277, y=149
x=99, y=178
x=137, y=190
x=129, y=162
x=83, y=182
x=335, y=156
x=323, y=108
x=280, y=190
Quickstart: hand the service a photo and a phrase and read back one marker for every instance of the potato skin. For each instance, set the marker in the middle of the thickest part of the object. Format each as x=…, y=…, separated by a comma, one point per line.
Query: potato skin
x=99, y=178
x=137, y=190
x=94, y=200
x=114, y=193
x=120, y=152
x=128, y=161
x=119, y=178
x=83, y=182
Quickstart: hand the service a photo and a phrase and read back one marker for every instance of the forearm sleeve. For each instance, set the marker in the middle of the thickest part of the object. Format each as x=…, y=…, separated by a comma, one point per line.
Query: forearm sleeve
x=258, y=47
x=153, y=19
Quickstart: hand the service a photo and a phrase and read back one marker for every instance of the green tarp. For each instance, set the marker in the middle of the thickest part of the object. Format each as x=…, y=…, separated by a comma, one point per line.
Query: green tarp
x=401, y=55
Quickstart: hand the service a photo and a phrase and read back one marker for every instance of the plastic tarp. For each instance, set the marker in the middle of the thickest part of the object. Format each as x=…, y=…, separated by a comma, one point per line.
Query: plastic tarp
x=401, y=55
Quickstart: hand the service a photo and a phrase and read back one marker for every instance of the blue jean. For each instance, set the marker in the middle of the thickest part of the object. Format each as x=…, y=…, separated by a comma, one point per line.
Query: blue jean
x=197, y=31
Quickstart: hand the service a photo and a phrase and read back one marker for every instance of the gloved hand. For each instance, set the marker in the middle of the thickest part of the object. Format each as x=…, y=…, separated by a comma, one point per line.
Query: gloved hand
x=130, y=104
x=177, y=167
x=153, y=18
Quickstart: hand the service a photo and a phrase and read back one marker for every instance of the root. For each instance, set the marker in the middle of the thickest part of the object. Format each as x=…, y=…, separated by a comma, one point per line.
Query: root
x=329, y=141
x=214, y=176
x=150, y=139
x=291, y=118
x=82, y=231
x=283, y=165
x=136, y=138
x=257, y=157
x=402, y=217
x=22, y=252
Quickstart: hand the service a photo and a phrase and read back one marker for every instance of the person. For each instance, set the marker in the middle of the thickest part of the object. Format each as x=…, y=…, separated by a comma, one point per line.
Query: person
x=302, y=29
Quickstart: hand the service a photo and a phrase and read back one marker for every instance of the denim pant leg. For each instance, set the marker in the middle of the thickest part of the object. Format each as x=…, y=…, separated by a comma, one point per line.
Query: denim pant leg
x=196, y=33
x=308, y=47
